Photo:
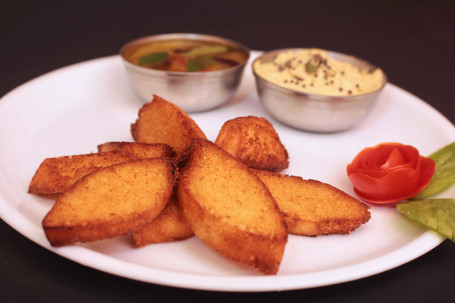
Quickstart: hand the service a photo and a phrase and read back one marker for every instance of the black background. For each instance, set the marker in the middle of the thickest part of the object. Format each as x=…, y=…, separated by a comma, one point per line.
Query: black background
x=413, y=41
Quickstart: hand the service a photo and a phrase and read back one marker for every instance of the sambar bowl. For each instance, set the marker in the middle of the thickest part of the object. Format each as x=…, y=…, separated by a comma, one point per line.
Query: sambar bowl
x=192, y=90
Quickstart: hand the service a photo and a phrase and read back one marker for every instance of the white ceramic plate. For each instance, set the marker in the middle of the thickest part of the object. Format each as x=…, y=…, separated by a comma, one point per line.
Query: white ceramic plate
x=73, y=109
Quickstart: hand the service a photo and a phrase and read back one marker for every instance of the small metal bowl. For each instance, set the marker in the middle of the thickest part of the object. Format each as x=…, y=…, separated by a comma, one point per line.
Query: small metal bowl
x=192, y=91
x=315, y=112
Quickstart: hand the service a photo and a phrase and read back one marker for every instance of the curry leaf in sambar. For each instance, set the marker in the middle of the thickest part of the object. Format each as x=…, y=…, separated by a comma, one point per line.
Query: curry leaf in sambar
x=198, y=63
x=436, y=214
x=207, y=50
x=153, y=58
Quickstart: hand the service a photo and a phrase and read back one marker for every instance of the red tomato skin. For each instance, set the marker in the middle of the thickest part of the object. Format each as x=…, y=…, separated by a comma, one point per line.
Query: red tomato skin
x=389, y=173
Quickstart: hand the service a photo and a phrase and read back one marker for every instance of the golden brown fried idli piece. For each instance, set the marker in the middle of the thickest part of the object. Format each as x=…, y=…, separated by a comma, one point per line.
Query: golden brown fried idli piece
x=229, y=208
x=55, y=175
x=110, y=202
x=160, y=121
x=254, y=141
x=313, y=208
x=139, y=150
x=169, y=226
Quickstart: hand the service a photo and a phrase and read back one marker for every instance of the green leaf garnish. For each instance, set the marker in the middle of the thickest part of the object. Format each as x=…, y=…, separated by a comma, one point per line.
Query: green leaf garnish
x=313, y=63
x=207, y=50
x=198, y=63
x=444, y=173
x=153, y=58
x=310, y=67
x=436, y=214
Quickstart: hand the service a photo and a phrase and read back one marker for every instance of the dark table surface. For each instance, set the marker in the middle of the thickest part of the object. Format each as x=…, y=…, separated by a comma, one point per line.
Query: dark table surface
x=413, y=41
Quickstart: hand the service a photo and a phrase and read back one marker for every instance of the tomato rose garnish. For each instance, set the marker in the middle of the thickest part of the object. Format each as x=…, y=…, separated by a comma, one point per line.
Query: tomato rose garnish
x=389, y=172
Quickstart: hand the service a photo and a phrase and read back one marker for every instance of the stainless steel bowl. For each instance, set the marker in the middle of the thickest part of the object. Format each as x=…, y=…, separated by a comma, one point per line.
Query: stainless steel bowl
x=192, y=91
x=314, y=112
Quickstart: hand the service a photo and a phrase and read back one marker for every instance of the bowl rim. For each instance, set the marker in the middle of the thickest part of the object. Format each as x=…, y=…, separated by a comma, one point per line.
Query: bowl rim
x=189, y=36
x=313, y=96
